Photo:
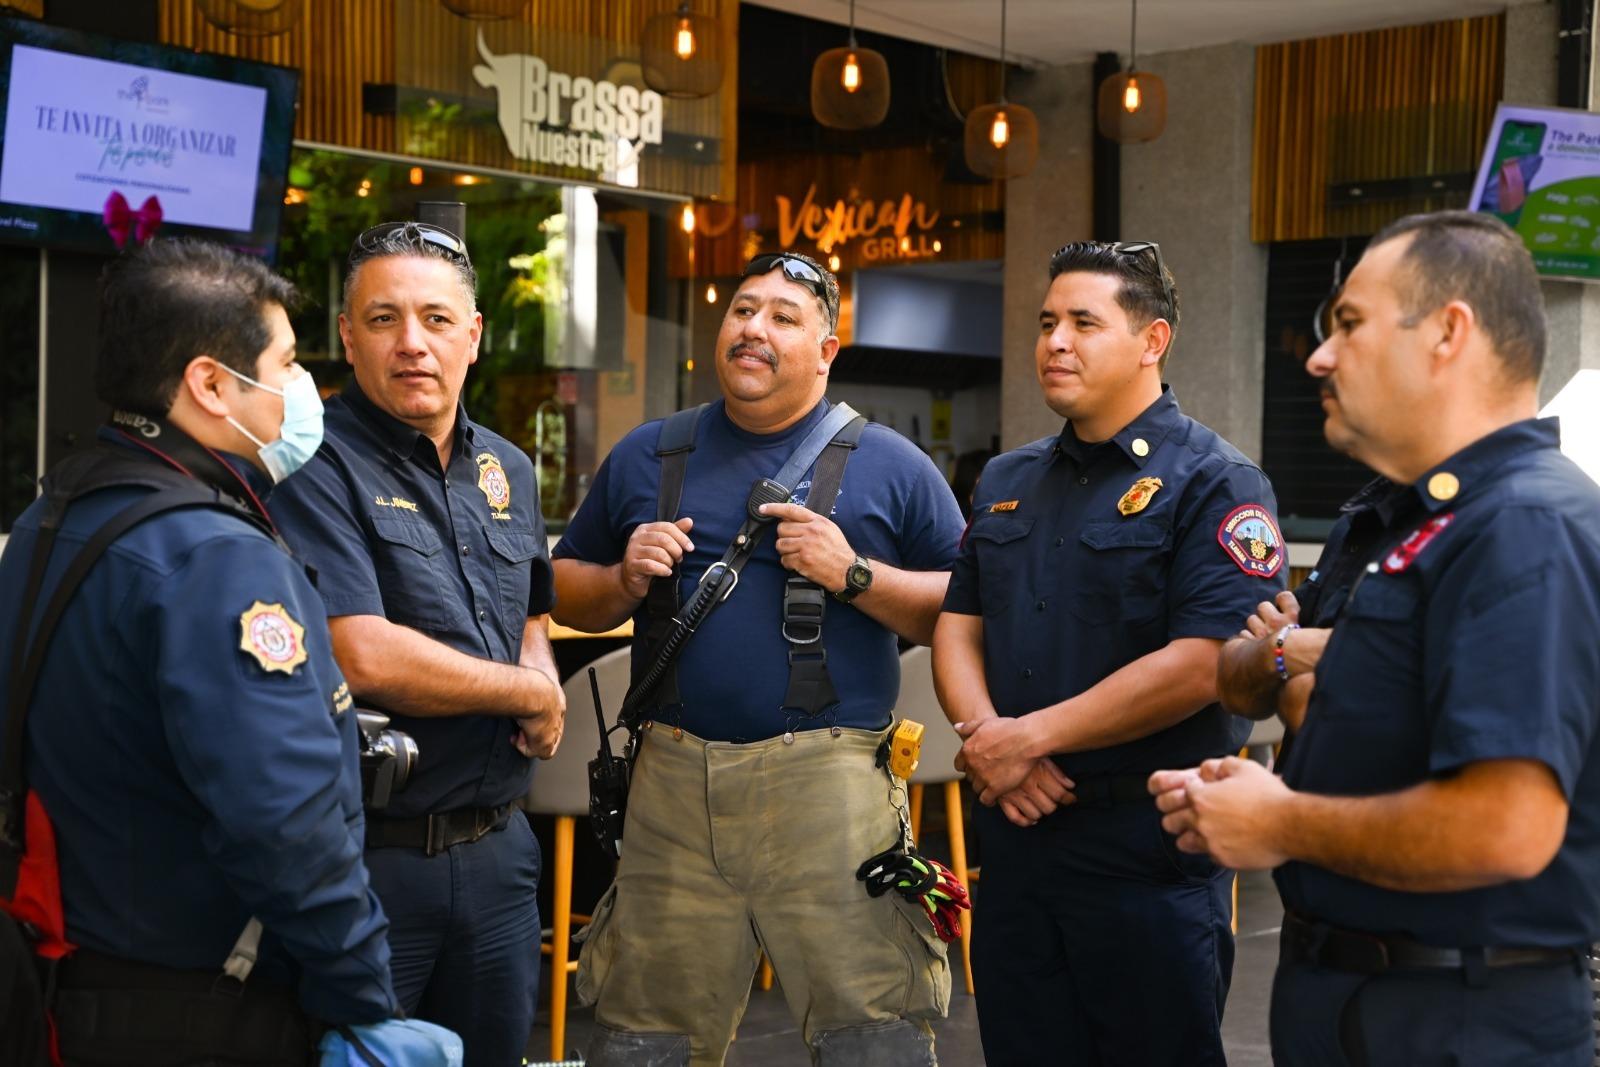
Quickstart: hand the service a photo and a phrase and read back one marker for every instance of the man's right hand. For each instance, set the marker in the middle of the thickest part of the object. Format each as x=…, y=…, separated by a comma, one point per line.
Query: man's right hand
x=537, y=736
x=1044, y=790
x=654, y=548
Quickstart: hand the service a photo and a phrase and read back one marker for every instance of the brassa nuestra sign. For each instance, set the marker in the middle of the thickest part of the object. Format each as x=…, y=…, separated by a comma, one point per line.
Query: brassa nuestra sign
x=568, y=120
x=886, y=229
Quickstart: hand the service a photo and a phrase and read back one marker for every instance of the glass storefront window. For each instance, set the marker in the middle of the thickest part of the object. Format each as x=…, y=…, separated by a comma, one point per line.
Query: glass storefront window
x=584, y=334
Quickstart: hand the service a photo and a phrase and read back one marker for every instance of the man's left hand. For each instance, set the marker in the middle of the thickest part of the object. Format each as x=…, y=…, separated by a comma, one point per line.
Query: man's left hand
x=1228, y=807
x=811, y=545
x=995, y=755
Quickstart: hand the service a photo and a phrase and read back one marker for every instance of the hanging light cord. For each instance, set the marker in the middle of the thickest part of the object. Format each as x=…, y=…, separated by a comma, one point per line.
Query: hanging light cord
x=1133, y=40
x=1002, y=51
x=852, y=23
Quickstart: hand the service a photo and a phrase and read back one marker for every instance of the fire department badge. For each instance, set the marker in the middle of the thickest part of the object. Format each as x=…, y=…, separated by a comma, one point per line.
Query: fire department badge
x=272, y=637
x=1137, y=498
x=1250, y=537
x=492, y=480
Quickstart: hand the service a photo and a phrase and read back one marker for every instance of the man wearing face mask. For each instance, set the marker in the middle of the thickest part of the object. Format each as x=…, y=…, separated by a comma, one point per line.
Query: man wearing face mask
x=189, y=736
x=425, y=531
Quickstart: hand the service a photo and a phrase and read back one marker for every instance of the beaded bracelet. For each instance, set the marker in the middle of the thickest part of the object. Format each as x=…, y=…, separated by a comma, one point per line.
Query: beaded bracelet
x=1277, y=650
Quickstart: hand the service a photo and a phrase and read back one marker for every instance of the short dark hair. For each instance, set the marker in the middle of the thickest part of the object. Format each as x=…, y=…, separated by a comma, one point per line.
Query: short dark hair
x=410, y=239
x=1148, y=291
x=1477, y=259
x=168, y=301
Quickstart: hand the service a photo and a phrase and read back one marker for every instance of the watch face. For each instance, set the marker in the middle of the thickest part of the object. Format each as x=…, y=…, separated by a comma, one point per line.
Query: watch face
x=859, y=576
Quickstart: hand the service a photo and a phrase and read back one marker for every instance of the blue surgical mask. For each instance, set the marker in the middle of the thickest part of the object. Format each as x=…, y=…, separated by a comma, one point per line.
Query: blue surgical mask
x=301, y=433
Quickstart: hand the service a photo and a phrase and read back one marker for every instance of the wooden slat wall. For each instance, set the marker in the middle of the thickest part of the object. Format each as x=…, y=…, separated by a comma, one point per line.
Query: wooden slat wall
x=340, y=44
x=1397, y=103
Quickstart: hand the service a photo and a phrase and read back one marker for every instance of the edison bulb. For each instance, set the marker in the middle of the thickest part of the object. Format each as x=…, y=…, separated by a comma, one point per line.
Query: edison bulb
x=711, y=294
x=686, y=219
x=851, y=75
x=1000, y=131
x=683, y=40
x=1131, y=97
x=833, y=263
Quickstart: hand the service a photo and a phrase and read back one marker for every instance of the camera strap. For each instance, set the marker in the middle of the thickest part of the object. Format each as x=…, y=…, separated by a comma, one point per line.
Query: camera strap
x=666, y=637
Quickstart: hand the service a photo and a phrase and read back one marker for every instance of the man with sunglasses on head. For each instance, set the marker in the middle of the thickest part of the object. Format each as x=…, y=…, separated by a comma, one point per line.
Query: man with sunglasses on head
x=1101, y=573
x=754, y=801
x=425, y=532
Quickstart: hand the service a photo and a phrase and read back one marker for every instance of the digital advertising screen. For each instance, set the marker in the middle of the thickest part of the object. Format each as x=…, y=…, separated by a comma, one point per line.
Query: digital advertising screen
x=1541, y=174
x=107, y=142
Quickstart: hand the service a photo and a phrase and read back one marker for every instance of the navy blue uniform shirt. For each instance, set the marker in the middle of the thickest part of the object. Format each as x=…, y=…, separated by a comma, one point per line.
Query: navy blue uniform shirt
x=1474, y=638
x=192, y=742
x=1362, y=532
x=456, y=554
x=1071, y=589
x=893, y=506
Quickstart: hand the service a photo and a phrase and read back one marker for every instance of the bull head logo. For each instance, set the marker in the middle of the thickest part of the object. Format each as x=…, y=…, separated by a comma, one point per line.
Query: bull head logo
x=504, y=74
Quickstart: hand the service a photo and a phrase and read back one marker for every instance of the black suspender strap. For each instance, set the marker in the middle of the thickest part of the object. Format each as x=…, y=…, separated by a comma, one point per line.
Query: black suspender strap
x=810, y=689
x=661, y=599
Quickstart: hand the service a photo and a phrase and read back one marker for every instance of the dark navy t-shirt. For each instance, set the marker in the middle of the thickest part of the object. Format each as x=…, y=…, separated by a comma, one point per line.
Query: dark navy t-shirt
x=1476, y=637
x=893, y=506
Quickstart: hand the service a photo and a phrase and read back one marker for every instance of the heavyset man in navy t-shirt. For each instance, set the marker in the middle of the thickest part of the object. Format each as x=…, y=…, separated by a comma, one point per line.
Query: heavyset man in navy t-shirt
x=748, y=818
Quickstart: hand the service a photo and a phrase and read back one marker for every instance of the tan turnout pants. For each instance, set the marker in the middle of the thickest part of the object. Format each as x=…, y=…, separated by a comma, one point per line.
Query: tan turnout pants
x=732, y=849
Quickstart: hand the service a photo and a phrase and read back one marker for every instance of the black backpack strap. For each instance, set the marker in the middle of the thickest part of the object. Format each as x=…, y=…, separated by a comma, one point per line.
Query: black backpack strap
x=810, y=689
x=661, y=599
x=27, y=656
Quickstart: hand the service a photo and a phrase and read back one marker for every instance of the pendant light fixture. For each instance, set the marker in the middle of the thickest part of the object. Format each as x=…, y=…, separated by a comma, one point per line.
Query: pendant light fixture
x=252, y=18
x=1132, y=107
x=1002, y=140
x=682, y=53
x=850, y=85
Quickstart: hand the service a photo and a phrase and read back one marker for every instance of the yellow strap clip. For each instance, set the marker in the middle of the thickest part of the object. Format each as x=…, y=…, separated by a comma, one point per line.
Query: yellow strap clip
x=905, y=748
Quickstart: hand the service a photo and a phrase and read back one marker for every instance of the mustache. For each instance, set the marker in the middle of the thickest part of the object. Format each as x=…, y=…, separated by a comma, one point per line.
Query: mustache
x=744, y=348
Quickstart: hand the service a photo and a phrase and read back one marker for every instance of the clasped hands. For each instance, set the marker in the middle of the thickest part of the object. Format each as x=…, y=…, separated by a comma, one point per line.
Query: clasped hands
x=1232, y=808
x=996, y=758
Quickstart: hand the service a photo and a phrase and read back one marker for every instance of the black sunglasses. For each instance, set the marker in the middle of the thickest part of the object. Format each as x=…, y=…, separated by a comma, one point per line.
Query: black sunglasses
x=1136, y=248
x=369, y=241
x=797, y=271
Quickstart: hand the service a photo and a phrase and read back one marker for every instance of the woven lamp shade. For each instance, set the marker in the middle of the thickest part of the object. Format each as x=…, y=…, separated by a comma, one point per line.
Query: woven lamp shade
x=252, y=18
x=1145, y=123
x=671, y=74
x=486, y=9
x=835, y=104
x=1020, y=149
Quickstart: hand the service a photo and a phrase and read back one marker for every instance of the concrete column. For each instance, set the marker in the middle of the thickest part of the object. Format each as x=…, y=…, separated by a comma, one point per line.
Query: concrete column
x=1044, y=210
x=1189, y=190
x=1571, y=308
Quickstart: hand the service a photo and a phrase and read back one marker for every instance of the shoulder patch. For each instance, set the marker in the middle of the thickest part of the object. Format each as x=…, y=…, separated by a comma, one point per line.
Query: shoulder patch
x=272, y=637
x=1250, y=537
x=1406, y=552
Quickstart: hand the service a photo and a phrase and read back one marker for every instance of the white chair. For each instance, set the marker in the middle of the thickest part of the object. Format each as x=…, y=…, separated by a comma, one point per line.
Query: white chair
x=561, y=788
x=940, y=743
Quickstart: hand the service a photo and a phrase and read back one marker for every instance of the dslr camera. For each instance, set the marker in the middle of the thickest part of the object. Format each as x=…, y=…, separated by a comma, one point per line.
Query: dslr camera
x=387, y=759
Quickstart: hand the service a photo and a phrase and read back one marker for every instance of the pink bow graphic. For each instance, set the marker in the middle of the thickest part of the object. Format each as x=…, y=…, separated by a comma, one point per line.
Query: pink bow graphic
x=120, y=219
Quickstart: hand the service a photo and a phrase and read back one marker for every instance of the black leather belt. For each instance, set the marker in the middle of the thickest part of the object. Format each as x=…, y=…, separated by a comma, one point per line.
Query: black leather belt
x=1307, y=941
x=435, y=833
x=1112, y=789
